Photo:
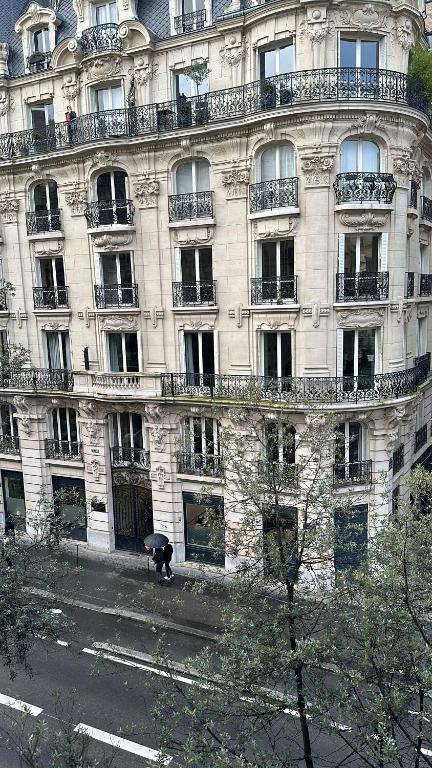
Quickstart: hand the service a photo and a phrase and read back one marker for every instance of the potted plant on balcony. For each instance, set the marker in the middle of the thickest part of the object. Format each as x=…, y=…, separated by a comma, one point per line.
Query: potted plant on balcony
x=199, y=73
x=36, y=58
x=268, y=95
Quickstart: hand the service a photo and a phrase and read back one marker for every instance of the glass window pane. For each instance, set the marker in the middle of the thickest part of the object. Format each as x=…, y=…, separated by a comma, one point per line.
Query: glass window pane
x=349, y=156
x=120, y=185
x=347, y=53
x=73, y=426
x=125, y=269
x=40, y=197
x=208, y=353
x=286, y=258
x=286, y=59
x=369, y=54
x=191, y=352
x=366, y=352
x=53, y=196
x=184, y=179
x=137, y=430
x=131, y=340
x=369, y=253
x=268, y=165
x=268, y=63
x=370, y=157
x=286, y=161
x=286, y=367
x=103, y=187
x=350, y=253
x=348, y=353
x=268, y=260
x=115, y=352
x=202, y=176
x=184, y=85
x=187, y=259
x=270, y=354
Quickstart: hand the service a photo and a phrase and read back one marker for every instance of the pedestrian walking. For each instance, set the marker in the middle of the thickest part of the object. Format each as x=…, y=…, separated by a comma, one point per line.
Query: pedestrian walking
x=158, y=559
x=167, y=554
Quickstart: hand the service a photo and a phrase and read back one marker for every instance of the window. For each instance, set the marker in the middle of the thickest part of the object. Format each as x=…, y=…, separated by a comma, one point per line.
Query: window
x=190, y=15
x=51, y=290
x=70, y=506
x=123, y=355
x=195, y=270
x=359, y=354
x=349, y=453
x=277, y=354
x=4, y=342
x=360, y=155
x=13, y=493
x=58, y=350
x=41, y=43
x=361, y=253
x=41, y=116
x=276, y=162
x=359, y=53
x=276, y=61
x=46, y=207
x=192, y=177
x=111, y=194
x=129, y=443
x=202, y=541
x=8, y=422
x=105, y=13
x=280, y=443
x=421, y=336
x=276, y=269
x=201, y=448
x=199, y=354
x=280, y=542
x=116, y=275
x=187, y=86
x=108, y=98
x=64, y=433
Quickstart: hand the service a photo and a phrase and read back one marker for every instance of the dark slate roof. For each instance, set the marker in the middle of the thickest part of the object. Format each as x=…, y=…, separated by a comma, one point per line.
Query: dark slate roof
x=154, y=14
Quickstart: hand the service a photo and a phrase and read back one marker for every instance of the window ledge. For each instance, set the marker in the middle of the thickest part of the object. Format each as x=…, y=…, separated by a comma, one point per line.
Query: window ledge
x=366, y=206
x=202, y=309
x=208, y=222
x=272, y=212
x=360, y=304
x=78, y=463
x=291, y=307
x=412, y=213
x=201, y=479
x=52, y=235
x=108, y=228
x=118, y=311
x=46, y=312
x=10, y=457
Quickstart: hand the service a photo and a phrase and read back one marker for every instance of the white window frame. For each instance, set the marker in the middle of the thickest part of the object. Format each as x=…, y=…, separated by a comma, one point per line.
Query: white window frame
x=111, y=174
x=59, y=333
x=107, y=354
x=276, y=148
x=110, y=5
x=382, y=251
x=116, y=431
x=43, y=183
x=278, y=351
x=421, y=336
x=45, y=106
x=340, y=345
x=52, y=260
x=260, y=243
x=99, y=265
x=109, y=89
x=360, y=141
x=362, y=441
x=56, y=413
x=11, y=419
x=188, y=434
x=276, y=48
x=193, y=163
x=358, y=40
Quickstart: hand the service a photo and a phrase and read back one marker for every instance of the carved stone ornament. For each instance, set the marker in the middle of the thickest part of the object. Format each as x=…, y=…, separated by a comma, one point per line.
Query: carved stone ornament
x=159, y=437
x=360, y=318
x=112, y=242
x=159, y=475
x=271, y=230
x=363, y=222
x=154, y=314
x=238, y=313
x=93, y=432
x=146, y=190
x=9, y=206
x=422, y=312
x=193, y=237
x=102, y=69
x=118, y=323
x=95, y=469
x=54, y=326
x=71, y=88
x=366, y=17
x=404, y=166
x=143, y=71
x=4, y=55
x=88, y=409
x=44, y=248
x=403, y=34
x=424, y=235
x=234, y=51
x=77, y=199
x=287, y=320
x=367, y=123
x=100, y=159
x=317, y=169
x=236, y=181
x=316, y=311
x=23, y=405
x=317, y=30
x=78, y=7
x=153, y=412
x=7, y=103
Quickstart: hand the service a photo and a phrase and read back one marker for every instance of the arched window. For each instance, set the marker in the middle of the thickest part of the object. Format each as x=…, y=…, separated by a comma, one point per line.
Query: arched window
x=201, y=446
x=350, y=454
x=192, y=176
x=192, y=198
x=9, y=441
x=45, y=216
x=276, y=162
x=360, y=155
x=280, y=443
x=64, y=442
x=129, y=440
x=112, y=205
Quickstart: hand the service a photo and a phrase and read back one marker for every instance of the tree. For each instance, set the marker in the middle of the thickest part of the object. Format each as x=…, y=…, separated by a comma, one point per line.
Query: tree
x=420, y=67
x=309, y=670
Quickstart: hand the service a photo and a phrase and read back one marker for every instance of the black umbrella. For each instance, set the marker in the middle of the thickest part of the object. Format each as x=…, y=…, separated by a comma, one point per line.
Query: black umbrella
x=156, y=540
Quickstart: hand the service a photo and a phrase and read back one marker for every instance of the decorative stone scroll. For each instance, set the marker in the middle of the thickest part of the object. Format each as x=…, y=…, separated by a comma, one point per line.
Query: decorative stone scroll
x=271, y=230
x=367, y=221
x=146, y=190
x=236, y=181
x=360, y=318
x=317, y=169
x=112, y=242
x=193, y=237
x=9, y=206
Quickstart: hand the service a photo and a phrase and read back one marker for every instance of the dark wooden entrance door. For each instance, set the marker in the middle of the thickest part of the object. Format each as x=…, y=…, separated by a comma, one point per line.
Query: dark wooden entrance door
x=133, y=514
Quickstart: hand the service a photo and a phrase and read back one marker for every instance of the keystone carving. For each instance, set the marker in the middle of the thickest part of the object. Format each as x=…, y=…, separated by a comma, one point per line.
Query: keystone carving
x=317, y=168
x=76, y=199
x=154, y=314
x=360, y=318
x=236, y=181
x=147, y=190
x=102, y=158
x=363, y=222
x=9, y=206
x=112, y=242
x=102, y=69
x=367, y=123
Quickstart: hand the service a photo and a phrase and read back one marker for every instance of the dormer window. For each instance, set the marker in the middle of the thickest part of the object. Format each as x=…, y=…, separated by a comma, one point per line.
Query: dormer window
x=105, y=13
x=40, y=56
x=191, y=15
x=37, y=29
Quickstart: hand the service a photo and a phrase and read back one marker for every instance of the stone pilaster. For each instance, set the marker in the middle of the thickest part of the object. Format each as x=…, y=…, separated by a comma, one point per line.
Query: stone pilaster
x=97, y=476
x=166, y=490
x=33, y=431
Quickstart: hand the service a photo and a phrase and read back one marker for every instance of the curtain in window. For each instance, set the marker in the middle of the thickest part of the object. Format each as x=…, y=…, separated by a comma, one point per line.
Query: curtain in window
x=202, y=176
x=115, y=352
x=54, y=353
x=184, y=179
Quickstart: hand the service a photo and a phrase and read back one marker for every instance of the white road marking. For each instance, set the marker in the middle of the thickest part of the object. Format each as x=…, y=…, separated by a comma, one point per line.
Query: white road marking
x=22, y=706
x=64, y=643
x=136, y=665
x=55, y=610
x=119, y=743
x=427, y=752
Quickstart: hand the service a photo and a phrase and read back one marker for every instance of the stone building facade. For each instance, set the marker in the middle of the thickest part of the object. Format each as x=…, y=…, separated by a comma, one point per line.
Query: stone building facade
x=240, y=194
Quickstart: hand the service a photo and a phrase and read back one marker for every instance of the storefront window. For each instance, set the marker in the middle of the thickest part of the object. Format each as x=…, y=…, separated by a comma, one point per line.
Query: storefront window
x=204, y=528
x=69, y=502
x=13, y=491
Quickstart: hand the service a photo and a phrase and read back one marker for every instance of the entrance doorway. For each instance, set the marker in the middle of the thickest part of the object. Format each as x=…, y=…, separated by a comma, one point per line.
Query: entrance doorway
x=133, y=509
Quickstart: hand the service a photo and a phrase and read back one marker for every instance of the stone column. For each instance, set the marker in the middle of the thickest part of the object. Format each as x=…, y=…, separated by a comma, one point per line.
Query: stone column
x=166, y=490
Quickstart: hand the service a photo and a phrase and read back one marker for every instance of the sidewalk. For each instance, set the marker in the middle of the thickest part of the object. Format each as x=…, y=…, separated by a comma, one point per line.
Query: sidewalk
x=123, y=584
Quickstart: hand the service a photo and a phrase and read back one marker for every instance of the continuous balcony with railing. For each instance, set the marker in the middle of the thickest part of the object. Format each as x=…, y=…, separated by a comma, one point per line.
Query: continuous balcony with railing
x=409, y=285
x=40, y=222
x=425, y=287
x=200, y=464
x=63, y=450
x=39, y=61
x=51, y=298
x=194, y=294
x=362, y=286
x=420, y=438
x=36, y=379
x=276, y=290
x=277, y=193
x=364, y=187
x=108, y=213
x=426, y=208
x=398, y=459
x=190, y=22
x=298, y=390
x=118, y=296
x=280, y=92
x=100, y=39
x=193, y=205
x=9, y=444
x=352, y=473
x=128, y=456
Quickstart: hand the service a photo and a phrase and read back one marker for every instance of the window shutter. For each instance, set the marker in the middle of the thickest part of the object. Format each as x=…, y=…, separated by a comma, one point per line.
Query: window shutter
x=339, y=352
x=384, y=252
x=341, y=252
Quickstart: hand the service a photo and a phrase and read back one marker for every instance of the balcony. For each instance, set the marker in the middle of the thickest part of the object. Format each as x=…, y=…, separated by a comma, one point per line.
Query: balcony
x=200, y=464
x=38, y=379
x=108, y=213
x=420, y=438
x=9, y=444
x=194, y=205
x=51, y=298
x=426, y=208
x=362, y=286
x=352, y=473
x=398, y=460
x=101, y=39
x=189, y=22
x=39, y=61
x=279, y=473
x=194, y=294
x=297, y=390
x=409, y=285
x=63, y=450
x=278, y=193
x=275, y=290
x=364, y=187
x=40, y=222
x=425, y=285
x=3, y=301
x=118, y=296
x=130, y=457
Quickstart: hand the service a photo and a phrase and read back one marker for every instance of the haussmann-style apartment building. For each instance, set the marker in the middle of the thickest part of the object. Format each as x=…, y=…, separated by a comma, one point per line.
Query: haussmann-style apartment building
x=242, y=195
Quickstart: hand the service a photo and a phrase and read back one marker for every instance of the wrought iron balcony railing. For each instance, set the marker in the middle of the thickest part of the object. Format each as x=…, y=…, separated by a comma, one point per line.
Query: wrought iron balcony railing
x=3, y=301
x=305, y=390
x=116, y=295
x=398, y=459
x=193, y=294
x=200, y=464
x=64, y=450
x=420, y=438
x=279, y=473
x=9, y=444
x=426, y=208
x=277, y=193
x=50, y=298
x=276, y=290
x=38, y=379
x=194, y=205
x=426, y=285
x=131, y=457
x=100, y=39
x=283, y=91
x=352, y=473
x=409, y=285
x=39, y=61
x=106, y=213
x=46, y=221
x=189, y=22
x=362, y=286
x=413, y=195
x=364, y=187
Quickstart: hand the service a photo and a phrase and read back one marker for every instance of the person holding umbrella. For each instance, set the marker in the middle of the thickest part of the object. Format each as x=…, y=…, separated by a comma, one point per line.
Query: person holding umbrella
x=157, y=541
